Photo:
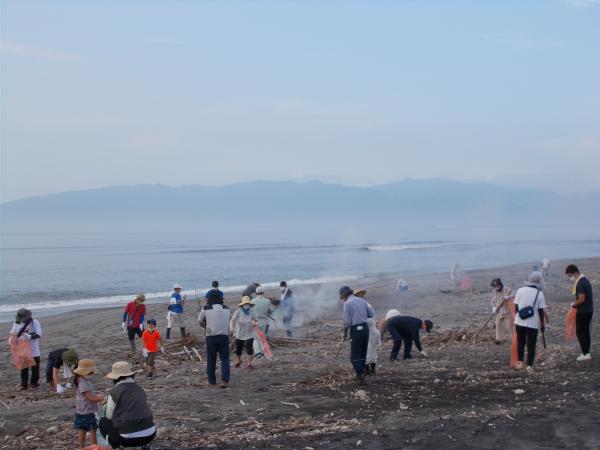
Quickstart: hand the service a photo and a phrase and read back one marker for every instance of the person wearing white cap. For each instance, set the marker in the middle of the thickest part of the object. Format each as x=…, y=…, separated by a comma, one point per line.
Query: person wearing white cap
x=263, y=311
x=175, y=314
x=530, y=317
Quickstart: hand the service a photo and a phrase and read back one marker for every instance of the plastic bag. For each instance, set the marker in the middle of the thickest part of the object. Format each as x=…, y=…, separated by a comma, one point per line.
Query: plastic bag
x=21, y=353
x=570, y=325
x=266, y=349
x=514, y=356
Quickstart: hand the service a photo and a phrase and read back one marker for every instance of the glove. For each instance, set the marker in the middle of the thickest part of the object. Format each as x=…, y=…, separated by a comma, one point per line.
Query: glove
x=494, y=309
x=26, y=336
x=573, y=305
x=145, y=352
x=123, y=326
x=423, y=353
x=162, y=349
x=141, y=326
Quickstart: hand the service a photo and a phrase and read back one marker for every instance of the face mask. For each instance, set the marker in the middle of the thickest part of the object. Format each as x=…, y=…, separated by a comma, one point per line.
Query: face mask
x=572, y=278
x=282, y=290
x=246, y=307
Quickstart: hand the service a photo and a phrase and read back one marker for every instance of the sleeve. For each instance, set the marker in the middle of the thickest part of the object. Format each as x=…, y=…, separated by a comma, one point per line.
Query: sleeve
x=37, y=327
x=509, y=293
x=84, y=386
x=201, y=316
x=370, y=311
x=125, y=313
x=347, y=315
x=417, y=339
x=144, y=335
x=14, y=329
x=110, y=407
x=542, y=301
x=232, y=321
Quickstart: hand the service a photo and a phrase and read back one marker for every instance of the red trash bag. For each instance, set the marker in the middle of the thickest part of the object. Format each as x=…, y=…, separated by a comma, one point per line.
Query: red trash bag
x=466, y=282
x=570, y=325
x=266, y=349
x=21, y=353
x=513, y=348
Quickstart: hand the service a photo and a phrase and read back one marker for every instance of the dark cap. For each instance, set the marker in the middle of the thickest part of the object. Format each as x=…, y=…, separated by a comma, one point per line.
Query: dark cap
x=345, y=291
x=151, y=321
x=283, y=284
x=23, y=315
x=428, y=325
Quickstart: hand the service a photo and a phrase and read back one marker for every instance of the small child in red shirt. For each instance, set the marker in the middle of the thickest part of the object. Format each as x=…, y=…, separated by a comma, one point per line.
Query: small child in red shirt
x=151, y=340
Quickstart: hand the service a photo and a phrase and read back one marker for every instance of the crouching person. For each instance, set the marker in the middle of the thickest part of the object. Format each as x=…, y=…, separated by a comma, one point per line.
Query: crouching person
x=128, y=421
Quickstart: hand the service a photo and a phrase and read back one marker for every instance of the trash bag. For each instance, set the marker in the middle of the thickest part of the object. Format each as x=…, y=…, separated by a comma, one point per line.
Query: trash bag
x=266, y=349
x=21, y=353
x=98, y=447
x=466, y=282
x=514, y=356
x=570, y=325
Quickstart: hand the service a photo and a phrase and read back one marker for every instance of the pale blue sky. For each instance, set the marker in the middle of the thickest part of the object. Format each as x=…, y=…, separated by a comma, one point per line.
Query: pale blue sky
x=359, y=92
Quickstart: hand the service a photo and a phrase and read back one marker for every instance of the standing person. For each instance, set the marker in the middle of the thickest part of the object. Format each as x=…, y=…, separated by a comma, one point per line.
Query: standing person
x=405, y=329
x=133, y=319
x=86, y=403
x=584, y=304
x=263, y=311
x=456, y=274
x=214, y=291
x=214, y=318
x=67, y=358
x=529, y=318
x=500, y=297
x=128, y=421
x=546, y=267
x=288, y=307
x=27, y=328
x=250, y=290
x=374, y=338
x=175, y=314
x=150, y=341
x=242, y=327
x=356, y=313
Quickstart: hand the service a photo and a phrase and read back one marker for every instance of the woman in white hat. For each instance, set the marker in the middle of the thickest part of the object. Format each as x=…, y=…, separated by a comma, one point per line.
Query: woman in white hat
x=242, y=326
x=128, y=421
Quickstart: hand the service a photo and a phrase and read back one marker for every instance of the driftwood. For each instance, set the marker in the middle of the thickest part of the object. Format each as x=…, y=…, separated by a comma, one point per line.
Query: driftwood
x=188, y=353
x=197, y=353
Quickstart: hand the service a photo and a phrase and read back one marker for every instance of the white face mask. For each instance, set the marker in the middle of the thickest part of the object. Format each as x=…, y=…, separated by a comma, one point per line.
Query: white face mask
x=572, y=277
x=283, y=289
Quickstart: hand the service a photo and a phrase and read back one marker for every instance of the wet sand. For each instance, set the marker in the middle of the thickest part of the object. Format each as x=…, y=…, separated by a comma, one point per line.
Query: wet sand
x=461, y=396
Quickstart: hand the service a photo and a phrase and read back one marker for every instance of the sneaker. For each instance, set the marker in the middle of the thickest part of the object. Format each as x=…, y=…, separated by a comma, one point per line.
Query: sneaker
x=529, y=369
x=584, y=357
x=23, y=387
x=519, y=365
x=498, y=342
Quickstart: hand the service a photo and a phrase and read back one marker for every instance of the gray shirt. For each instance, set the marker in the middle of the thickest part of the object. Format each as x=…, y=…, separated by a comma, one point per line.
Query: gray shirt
x=82, y=405
x=216, y=319
x=356, y=311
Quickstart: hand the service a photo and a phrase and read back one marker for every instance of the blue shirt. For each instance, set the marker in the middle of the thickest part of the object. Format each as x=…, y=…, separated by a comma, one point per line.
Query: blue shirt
x=356, y=311
x=176, y=305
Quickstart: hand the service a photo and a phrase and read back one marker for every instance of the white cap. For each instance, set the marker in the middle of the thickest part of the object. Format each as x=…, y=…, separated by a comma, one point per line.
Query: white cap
x=259, y=290
x=177, y=286
x=392, y=313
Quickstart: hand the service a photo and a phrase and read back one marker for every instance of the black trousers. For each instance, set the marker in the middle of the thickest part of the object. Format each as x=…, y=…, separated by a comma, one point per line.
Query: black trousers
x=35, y=373
x=526, y=335
x=399, y=338
x=115, y=440
x=359, y=342
x=583, y=323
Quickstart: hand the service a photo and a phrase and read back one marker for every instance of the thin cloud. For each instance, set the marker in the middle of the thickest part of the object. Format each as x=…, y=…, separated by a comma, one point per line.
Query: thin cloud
x=164, y=41
x=582, y=3
x=524, y=42
x=11, y=48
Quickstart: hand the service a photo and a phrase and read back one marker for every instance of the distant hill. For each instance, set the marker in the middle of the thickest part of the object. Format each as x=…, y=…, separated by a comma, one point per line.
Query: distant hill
x=311, y=207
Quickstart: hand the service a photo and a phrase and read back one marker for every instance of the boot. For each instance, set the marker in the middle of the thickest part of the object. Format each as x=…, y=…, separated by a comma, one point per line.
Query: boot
x=373, y=368
x=360, y=378
x=132, y=345
x=182, y=329
x=168, y=333
x=367, y=369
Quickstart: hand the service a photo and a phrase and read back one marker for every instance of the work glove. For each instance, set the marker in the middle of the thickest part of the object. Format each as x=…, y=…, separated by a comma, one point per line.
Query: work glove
x=124, y=327
x=26, y=336
x=162, y=349
x=423, y=353
x=494, y=309
x=141, y=326
x=145, y=352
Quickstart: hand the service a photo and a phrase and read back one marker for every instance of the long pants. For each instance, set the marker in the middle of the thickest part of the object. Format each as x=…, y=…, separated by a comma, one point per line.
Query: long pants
x=115, y=440
x=583, y=323
x=131, y=333
x=359, y=343
x=526, y=335
x=399, y=338
x=217, y=344
x=35, y=373
x=287, y=324
x=501, y=326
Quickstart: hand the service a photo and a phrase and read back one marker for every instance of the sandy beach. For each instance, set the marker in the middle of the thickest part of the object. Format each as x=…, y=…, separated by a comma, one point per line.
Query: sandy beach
x=461, y=396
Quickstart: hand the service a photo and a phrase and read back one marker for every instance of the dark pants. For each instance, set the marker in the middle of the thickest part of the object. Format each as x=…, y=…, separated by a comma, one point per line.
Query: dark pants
x=399, y=338
x=287, y=324
x=115, y=440
x=526, y=335
x=49, y=372
x=35, y=373
x=359, y=341
x=220, y=345
x=131, y=333
x=583, y=323
x=240, y=345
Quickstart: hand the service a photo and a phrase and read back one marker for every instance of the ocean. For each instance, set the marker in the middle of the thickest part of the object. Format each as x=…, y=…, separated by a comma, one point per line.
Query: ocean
x=53, y=273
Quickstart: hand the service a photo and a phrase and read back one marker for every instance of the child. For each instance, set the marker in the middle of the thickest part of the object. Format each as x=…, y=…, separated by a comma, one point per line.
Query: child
x=374, y=344
x=150, y=340
x=86, y=404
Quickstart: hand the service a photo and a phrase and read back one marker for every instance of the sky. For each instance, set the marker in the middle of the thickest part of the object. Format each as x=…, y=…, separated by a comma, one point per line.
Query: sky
x=99, y=93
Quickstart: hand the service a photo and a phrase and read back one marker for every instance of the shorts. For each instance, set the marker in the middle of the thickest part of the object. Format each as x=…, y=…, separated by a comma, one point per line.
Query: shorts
x=85, y=422
x=176, y=320
x=150, y=359
x=248, y=344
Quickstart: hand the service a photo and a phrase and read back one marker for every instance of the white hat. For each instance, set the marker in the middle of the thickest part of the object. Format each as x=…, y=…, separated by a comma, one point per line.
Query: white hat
x=177, y=286
x=259, y=290
x=392, y=313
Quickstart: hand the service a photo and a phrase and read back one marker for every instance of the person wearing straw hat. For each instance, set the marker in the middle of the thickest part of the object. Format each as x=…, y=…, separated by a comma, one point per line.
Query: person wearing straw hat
x=175, y=314
x=27, y=328
x=133, y=319
x=129, y=421
x=241, y=326
x=67, y=358
x=530, y=317
x=86, y=403
x=405, y=330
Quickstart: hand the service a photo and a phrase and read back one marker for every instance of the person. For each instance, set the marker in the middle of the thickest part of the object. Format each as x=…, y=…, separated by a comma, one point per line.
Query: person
x=128, y=421
x=500, y=297
x=214, y=318
x=356, y=313
x=151, y=340
x=405, y=329
x=250, y=290
x=288, y=307
x=402, y=285
x=175, y=314
x=67, y=358
x=214, y=291
x=374, y=338
x=86, y=403
x=456, y=274
x=546, y=267
x=263, y=312
x=133, y=319
x=530, y=297
x=27, y=328
x=242, y=327
x=584, y=304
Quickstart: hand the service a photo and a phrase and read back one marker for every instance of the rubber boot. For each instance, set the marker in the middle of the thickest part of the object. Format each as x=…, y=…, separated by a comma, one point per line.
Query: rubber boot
x=367, y=369
x=168, y=333
x=373, y=368
x=132, y=345
x=182, y=329
x=360, y=378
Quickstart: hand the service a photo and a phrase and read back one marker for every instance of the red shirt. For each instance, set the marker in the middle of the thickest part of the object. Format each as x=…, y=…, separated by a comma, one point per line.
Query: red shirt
x=134, y=313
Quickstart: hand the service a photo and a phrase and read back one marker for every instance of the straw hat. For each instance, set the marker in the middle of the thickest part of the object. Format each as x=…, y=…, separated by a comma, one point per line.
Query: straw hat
x=141, y=297
x=360, y=291
x=85, y=367
x=246, y=301
x=120, y=369
x=70, y=357
x=392, y=313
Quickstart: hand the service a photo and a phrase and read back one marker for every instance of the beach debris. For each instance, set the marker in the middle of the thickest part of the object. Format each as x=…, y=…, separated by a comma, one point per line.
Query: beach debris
x=242, y=402
x=519, y=391
x=361, y=395
x=295, y=405
x=197, y=353
x=186, y=350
